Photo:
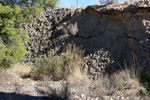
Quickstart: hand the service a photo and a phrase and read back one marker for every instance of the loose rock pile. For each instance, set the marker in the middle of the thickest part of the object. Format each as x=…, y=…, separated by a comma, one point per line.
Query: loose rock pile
x=97, y=62
x=42, y=31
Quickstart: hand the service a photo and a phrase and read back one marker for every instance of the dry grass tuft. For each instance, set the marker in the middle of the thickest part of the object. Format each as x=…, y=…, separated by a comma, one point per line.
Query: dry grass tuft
x=79, y=78
x=80, y=82
x=20, y=69
x=126, y=80
x=23, y=68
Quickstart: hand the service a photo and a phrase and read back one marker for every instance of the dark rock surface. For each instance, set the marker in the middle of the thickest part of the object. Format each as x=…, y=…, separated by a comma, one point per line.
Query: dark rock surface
x=110, y=35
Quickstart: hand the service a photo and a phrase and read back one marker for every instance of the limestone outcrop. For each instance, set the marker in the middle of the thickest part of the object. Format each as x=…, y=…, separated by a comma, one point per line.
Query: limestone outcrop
x=111, y=35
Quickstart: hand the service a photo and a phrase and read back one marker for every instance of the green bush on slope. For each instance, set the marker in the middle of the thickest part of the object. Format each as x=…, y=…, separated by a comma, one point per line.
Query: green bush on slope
x=58, y=66
x=14, y=14
x=11, y=38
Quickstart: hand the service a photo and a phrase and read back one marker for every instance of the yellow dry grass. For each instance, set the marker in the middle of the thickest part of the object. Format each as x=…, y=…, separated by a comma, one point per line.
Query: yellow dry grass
x=19, y=68
x=126, y=79
x=79, y=78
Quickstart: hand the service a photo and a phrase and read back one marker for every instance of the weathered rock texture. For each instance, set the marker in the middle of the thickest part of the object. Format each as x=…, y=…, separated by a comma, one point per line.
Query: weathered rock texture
x=110, y=34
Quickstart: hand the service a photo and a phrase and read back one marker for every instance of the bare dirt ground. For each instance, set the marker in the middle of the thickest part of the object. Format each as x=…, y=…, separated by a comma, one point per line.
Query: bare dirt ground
x=14, y=87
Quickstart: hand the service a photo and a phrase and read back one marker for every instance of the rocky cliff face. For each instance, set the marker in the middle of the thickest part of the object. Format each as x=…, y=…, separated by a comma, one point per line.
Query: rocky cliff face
x=110, y=35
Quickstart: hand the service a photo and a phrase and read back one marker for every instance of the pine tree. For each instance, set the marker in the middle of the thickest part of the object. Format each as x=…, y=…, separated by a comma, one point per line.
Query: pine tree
x=11, y=38
x=13, y=14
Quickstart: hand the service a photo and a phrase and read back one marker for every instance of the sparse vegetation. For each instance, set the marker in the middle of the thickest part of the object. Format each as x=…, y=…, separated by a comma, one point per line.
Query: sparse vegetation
x=132, y=79
x=127, y=79
x=54, y=94
x=79, y=78
x=58, y=66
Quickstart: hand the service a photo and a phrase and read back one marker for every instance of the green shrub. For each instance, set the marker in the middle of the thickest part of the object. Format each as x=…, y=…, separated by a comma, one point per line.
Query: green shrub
x=58, y=66
x=145, y=79
x=11, y=38
x=31, y=3
x=49, y=66
x=13, y=15
x=31, y=9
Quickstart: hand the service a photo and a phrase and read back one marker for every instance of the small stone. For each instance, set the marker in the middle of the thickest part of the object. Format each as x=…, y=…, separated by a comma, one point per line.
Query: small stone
x=32, y=83
x=83, y=96
x=97, y=98
x=88, y=98
x=76, y=97
x=111, y=98
x=8, y=83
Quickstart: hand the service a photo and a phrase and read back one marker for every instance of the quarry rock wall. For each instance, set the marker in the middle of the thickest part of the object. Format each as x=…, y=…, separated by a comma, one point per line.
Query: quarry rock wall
x=112, y=35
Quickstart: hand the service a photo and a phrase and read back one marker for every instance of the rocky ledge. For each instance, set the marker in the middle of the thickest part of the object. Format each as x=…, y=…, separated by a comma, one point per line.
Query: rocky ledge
x=111, y=35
